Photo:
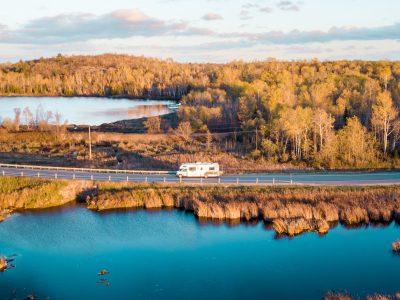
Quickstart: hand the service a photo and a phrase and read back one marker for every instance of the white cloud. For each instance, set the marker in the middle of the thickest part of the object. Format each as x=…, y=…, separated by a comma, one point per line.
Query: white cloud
x=249, y=5
x=81, y=27
x=346, y=33
x=288, y=5
x=211, y=17
x=266, y=9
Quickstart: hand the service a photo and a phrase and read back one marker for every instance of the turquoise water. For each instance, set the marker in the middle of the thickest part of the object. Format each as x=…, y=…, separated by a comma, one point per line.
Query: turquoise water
x=169, y=254
x=85, y=110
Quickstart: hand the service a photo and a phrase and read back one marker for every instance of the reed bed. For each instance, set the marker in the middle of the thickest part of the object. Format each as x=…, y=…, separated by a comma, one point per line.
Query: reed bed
x=3, y=263
x=298, y=225
x=291, y=210
x=396, y=246
x=338, y=296
x=346, y=296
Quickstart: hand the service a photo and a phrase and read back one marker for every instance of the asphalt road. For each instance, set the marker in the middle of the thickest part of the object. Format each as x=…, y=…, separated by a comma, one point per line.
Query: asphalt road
x=346, y=179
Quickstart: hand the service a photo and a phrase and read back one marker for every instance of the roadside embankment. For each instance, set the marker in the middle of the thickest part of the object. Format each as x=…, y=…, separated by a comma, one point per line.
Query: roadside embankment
x=289, y=210
x=34, y=193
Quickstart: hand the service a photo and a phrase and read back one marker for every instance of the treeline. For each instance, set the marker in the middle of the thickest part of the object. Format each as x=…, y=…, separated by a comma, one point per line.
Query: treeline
x=329, y=114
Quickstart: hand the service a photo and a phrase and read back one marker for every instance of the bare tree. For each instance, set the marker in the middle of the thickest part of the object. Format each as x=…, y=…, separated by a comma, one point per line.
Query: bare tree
x=28, y=116
x=152, y=124
x=385, y=76
x=323, y=123
x=184, y=130
x=17, y=119
x=383, y=116
x=59, y=125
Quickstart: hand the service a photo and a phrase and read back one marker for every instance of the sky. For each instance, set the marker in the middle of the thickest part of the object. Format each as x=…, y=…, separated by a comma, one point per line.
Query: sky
x=203, y=31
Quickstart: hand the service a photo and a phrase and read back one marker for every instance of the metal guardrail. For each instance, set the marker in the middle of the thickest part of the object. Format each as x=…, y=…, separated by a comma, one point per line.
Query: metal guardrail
x=86, y=169
x=125, y=177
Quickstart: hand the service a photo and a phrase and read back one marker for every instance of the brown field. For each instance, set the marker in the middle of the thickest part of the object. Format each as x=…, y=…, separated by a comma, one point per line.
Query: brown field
x=130, y=151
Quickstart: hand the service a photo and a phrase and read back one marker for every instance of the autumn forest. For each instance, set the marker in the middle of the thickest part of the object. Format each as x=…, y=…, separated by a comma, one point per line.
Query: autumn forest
x=322, y=114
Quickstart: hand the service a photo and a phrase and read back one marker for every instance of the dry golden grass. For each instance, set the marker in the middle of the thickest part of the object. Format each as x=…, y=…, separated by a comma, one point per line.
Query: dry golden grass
x=337, y=296
x=296, y=226
x=129, y=137
x=3, y=262
x=346, y=296
x=132, y=151
x=396, y=246
x=291, y=210
x=228, y=162
x=383, y=297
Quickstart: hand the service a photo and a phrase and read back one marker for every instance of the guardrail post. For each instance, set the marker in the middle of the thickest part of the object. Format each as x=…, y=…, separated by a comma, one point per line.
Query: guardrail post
x=91, y=176
x=127, y=179
x=38, y=175
x=273, y=181
x=237, y=181
x=22, y=174
x=3, y=172
x=257, y=181
x=291, y=182
x=219, y=180
x=73, y=176
x=109, y=177
x=55, y=175
x=146, y=179
x=180, y=179
x=164, y=179
x=201, y=179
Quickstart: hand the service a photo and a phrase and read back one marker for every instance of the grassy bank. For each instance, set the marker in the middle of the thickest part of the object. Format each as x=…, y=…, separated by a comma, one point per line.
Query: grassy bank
x=290, y=210
x=34, y=193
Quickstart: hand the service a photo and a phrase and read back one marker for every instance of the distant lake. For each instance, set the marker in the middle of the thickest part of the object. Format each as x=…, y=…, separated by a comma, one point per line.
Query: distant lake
x=87, y=110
x=170, y=254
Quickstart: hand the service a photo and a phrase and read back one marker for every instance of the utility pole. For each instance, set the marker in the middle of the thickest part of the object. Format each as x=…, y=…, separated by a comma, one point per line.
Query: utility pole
x=256, y=138
x=90, y=148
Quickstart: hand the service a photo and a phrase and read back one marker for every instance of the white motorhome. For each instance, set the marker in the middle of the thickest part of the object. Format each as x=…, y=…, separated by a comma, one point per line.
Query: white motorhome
x=198, y=170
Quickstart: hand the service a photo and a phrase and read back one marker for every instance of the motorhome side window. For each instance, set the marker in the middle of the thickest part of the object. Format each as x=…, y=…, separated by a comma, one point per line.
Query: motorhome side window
x=212, y=168
x=192, y=169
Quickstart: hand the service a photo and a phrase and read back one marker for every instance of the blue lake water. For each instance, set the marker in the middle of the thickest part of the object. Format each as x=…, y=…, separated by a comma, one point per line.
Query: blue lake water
x=86, y=110
x=169, y=254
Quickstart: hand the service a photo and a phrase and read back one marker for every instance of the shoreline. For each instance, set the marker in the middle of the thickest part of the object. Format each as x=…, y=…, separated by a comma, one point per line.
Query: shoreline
x=289, y=210
x=94, y=96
